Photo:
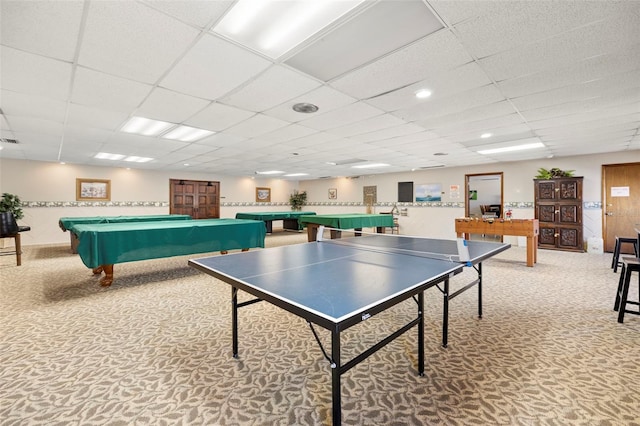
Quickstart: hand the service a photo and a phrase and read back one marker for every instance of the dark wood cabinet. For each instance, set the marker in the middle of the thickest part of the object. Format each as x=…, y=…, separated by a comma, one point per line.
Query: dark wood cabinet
x=558, y=208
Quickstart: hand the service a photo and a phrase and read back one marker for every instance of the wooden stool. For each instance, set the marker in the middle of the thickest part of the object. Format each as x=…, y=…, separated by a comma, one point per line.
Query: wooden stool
x=629, y=265
x=615, y=262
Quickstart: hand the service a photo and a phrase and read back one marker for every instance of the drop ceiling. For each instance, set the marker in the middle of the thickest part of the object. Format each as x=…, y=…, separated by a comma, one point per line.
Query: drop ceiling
x=564, y=73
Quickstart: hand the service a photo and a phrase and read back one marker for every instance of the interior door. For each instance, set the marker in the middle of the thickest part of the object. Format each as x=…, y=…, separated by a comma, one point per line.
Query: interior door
x=621, y=195
x=199, y=199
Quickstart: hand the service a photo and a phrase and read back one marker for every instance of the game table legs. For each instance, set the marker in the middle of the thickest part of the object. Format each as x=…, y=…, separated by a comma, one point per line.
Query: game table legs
x=107, y=280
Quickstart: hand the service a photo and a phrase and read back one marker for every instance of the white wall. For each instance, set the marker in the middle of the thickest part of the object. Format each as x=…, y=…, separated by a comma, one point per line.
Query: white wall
x=50, y=189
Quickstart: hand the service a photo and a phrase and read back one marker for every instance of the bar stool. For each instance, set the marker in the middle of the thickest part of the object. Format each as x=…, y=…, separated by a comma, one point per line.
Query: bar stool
x=629, y=265
x=615, y=262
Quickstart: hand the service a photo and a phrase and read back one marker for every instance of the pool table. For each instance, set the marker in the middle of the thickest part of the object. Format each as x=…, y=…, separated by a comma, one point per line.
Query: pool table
x=289, y=219
x=104, y=244
x=67, y=223
x=355, y=221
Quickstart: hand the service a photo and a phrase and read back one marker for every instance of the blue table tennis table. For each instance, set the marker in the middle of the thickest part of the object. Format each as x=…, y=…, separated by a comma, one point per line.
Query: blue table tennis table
x=336, y=284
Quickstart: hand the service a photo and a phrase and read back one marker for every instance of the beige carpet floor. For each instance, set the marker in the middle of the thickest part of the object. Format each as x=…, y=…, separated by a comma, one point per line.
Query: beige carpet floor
x=155, y=349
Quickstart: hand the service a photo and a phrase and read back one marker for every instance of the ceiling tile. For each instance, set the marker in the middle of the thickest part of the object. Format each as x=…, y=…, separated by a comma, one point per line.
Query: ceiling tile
x=166, y=105
x=97, y=89
x=197, y=13
x=142, y=44
x=257, y=125
x=213, y=68
x=341, y=117
x=380, y=29
x=271, y=88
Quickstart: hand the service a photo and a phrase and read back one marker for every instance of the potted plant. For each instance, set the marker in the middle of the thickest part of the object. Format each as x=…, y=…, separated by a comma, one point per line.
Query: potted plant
x=297, y=199
x=11, y=203
x=553, y=173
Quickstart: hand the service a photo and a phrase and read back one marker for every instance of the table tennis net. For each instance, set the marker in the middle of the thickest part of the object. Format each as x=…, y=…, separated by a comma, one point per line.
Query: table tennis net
x=447, y=250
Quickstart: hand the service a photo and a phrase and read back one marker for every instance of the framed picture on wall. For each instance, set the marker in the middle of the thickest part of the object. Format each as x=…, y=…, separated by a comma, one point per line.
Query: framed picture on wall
x=93, y=189
x=428, y=192
x=263, y=195
x=333, y=193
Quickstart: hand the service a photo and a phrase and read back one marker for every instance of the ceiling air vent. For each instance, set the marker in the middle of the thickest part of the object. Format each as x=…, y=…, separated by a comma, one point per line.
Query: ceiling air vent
x=7, y=140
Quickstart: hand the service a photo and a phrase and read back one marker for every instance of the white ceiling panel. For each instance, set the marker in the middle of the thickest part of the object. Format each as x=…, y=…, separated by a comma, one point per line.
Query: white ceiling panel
x=19, y=104
x=271, y=88
x=257, y=125
x=166, y=105
x=213, y=68
x=568, y=72
x=342, y=116
x=587, y=70
x=35, y=75
x=57, y=23
x=439, y=52
x=197, y=13
x=134, y=48
x=485, y=95
x=324, y=97
x=101, y=90
x=380, y=29
x=219, y=117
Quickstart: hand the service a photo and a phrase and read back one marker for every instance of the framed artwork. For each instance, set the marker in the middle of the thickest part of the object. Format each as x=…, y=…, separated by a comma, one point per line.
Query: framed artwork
x=263, y=195
x=370, y=195
x=428, y=192
x=333, y=193
x=93, y=189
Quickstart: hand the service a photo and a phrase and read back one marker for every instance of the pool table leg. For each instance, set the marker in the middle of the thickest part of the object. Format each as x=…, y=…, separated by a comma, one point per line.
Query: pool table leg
x=108, y=275
x=107, y=280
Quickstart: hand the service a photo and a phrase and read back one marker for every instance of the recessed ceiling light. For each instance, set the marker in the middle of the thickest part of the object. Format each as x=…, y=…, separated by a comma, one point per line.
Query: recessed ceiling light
x=270, y=172
x=305, y=108
x=512, y=148
x=370, y=166
x=187, y=134
x=108, y=156
x=296, y=174
x=146, y=126
x=274, y=27
x=423, y=94
x=136, y=159
x=486, y=135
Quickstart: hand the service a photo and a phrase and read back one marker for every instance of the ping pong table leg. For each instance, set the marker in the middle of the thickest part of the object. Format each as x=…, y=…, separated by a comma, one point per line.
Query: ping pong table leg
x=234, y=319
x=480, y=290
x=335, y=378
x=421, y=333
x=445, y=313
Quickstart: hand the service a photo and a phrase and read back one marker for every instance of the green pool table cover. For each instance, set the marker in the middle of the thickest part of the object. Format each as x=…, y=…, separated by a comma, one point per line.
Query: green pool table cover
x=349, y=220
x=67, y=223
x=272, y=215
x=111, y=243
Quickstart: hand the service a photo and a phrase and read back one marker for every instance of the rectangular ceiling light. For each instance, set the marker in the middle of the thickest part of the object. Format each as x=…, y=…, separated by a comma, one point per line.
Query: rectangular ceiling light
x=270, y=172
x=296, y=174
x=187, y=134
x=370, y=166
x=107, y=156
x=135, y=159
x=273, y=27
x=146, y=126
x=512, y=148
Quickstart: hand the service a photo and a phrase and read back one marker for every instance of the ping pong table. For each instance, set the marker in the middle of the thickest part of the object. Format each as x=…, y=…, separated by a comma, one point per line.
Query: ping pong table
x=338, y=283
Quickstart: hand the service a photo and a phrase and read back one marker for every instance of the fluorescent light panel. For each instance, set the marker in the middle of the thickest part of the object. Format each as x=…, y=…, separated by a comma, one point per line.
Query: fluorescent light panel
x=512, y=148
x=187, y=134
x=370, y=166
x=274, y=27
x=108, y=156
x=270, y=172
x=136, y=159
x=296, y=174
x=146, y=126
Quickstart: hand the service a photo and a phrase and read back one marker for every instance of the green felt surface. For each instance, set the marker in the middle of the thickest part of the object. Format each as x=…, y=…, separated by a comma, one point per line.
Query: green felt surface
x=67, y=223
x=272, y=215
x=349, y=220
x=110, y=243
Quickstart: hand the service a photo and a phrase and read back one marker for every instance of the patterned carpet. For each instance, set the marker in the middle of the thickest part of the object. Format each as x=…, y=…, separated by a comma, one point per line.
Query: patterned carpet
x=155, y=349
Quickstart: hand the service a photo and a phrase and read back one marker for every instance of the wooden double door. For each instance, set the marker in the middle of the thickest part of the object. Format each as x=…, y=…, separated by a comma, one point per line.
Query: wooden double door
x=199, y=199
